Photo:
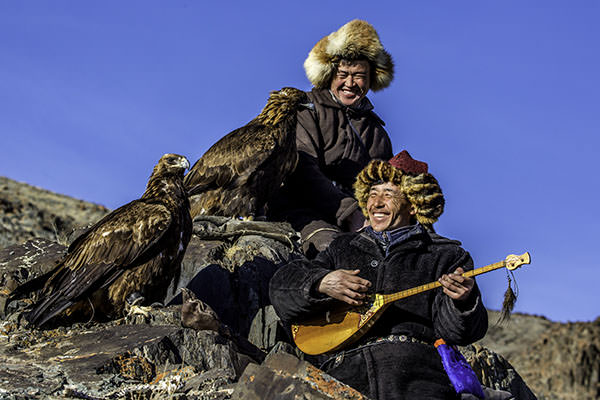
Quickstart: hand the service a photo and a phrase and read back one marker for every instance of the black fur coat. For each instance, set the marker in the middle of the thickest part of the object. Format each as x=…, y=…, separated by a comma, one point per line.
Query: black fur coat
x=402, y=370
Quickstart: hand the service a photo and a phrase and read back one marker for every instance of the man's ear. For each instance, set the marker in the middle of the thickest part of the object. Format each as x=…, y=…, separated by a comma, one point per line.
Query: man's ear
x=413, y=210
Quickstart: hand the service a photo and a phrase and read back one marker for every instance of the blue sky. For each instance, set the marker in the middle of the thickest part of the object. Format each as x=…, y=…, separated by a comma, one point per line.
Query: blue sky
x=502, y=100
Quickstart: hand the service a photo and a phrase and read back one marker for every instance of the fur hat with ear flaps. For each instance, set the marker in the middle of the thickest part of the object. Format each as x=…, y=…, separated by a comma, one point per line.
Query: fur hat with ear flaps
x=420, y=187
x=355, y=40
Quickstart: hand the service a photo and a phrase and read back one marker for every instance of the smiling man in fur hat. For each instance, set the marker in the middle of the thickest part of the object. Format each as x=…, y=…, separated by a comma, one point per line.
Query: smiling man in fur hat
x=337, y=138
x=396, y=359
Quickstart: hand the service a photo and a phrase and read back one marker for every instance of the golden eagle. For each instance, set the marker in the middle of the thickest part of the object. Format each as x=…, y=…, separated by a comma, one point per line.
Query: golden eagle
x=238, y=174
x=136, y=248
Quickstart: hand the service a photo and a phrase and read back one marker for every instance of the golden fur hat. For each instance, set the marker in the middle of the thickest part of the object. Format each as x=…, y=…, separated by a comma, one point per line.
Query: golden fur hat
x=356, y=39
x=421, y=189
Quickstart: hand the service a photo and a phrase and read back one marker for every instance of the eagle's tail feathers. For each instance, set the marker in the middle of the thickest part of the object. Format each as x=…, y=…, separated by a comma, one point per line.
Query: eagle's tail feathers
x=46, y=310
x=30, y=286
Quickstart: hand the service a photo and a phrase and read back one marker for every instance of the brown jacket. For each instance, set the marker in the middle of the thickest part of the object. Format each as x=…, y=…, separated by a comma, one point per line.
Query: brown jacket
x=334, y=144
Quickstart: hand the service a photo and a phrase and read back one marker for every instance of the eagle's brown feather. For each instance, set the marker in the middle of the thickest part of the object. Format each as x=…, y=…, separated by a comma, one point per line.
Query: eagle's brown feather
x=137, y=247
x=239, y=173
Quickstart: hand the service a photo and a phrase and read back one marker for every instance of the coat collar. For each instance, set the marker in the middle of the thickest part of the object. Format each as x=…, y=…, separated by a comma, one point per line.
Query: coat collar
x=403, y=239
x=367, y=244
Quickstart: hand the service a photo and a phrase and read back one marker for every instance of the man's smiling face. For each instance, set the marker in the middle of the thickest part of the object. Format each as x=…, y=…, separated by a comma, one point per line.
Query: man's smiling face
x=388, y=208
x=351, y=81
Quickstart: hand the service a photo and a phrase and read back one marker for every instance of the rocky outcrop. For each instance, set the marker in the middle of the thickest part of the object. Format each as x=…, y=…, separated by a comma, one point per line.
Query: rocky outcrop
x=118, y=360
x=228, y=264
x=557, y=360
x=284, y=377
x=566, y=359
x=28, y=212
x=19, y=263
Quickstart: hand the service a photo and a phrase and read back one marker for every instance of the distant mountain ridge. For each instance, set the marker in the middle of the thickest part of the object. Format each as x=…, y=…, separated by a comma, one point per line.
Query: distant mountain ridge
x=556, y=360
x=27, y=212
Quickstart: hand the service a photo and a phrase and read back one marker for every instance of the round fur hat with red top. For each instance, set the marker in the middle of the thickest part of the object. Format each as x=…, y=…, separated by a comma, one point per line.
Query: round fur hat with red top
x=421, y=188
x=407, y=164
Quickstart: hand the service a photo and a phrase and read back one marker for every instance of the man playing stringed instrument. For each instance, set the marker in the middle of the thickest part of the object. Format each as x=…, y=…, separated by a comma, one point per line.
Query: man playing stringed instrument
x=395, y=358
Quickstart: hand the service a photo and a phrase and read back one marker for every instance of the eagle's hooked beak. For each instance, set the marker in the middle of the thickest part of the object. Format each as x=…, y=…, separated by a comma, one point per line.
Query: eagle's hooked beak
x=184, y=163
x=310, y=106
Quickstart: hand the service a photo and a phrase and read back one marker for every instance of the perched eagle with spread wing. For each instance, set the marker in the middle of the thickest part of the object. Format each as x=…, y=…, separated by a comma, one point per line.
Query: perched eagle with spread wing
x=238, y=174
x=136, y=248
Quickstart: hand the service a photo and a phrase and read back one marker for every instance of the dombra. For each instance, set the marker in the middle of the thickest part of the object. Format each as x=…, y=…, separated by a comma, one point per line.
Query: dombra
x=341, y=327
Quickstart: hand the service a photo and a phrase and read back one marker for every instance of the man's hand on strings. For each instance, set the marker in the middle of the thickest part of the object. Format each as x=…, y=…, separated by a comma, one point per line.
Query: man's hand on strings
x=344, y=285
x=457, y=286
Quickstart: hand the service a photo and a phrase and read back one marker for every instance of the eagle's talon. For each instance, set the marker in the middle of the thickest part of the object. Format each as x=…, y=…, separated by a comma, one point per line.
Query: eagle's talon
x=134, y=310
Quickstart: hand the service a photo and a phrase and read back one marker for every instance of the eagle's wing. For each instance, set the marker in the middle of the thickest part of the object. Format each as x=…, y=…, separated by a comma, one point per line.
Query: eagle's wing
x=121, y=239
x=239, y=151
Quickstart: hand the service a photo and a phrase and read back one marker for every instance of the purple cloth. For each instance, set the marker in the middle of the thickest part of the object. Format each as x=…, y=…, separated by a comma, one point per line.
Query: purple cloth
x=459, y=371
